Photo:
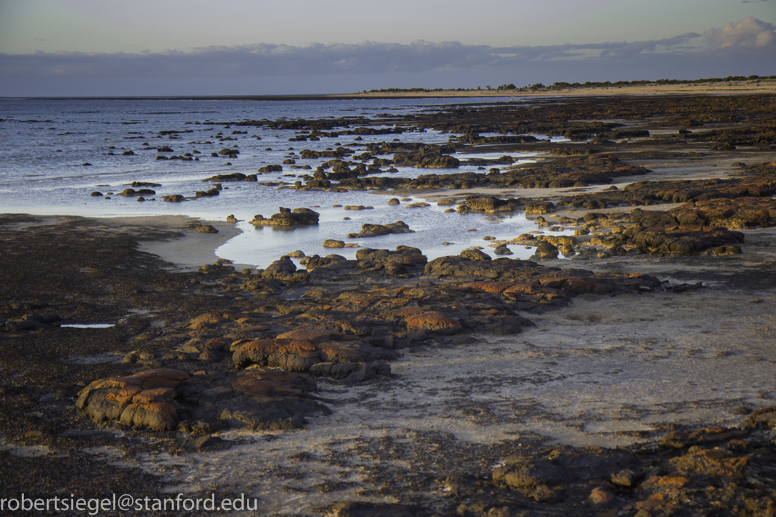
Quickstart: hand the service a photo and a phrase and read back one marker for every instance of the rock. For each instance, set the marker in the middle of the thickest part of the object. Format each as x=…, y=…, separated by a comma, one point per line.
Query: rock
x=288, y=218
x=230, y=153
x=434, y=321
x=301, y=350
x=203, y=228
x=96, y=194
x=539, y=207
x=725, y=250
x=502, y=250
x=545, y=250
x=601, y=496
x=235, y=176
x=140, y=400
x=130, y=192
x=311, y=335
x=427, y=157
x=207, y=193
x=404, y=261
x=175, y=198
x=332, y=243
x=525, y=472
x=284, y=270
x=660, y=233
x=373, y=230
x=626, y=478
x=158, y=399
x=394, y=201
x=475, y=255
x=488, y=204
x=157, y=416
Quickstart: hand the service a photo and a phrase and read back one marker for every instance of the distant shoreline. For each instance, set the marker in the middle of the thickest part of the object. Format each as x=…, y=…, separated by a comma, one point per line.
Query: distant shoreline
x=747, y=87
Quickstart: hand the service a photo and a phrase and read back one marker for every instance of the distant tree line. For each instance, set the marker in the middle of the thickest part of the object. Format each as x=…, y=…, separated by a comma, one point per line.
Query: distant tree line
x=561, y=85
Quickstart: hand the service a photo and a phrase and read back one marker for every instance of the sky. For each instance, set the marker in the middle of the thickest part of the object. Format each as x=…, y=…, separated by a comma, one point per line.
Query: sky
x=257, y=47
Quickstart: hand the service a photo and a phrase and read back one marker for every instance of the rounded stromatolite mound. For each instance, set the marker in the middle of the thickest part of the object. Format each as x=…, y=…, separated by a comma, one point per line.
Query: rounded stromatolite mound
x=287, y=217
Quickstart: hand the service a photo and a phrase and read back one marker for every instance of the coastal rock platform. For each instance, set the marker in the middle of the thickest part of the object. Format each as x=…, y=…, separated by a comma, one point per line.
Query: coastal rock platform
x=633, y=377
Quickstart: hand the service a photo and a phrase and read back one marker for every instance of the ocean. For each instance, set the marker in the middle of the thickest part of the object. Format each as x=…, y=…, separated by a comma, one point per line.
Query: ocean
x=55, y=152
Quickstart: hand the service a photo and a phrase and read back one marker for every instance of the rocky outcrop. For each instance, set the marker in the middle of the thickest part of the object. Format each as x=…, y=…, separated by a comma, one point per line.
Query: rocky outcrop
x=141, y=400
x=404, y=261
x=427, y=157
x=284, y=270
x=130, y=192
x=287, y=217
x=489, y=204
x=165, y=400
x=320, y=352
x=661, y=233
x=235, y=176
x=373, y=230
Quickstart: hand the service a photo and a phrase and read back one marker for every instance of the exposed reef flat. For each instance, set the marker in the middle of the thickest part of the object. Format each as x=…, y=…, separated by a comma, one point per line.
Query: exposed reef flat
x=634, y=377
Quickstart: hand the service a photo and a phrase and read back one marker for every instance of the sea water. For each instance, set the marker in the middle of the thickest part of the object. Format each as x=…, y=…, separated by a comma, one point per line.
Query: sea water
x=55, y=152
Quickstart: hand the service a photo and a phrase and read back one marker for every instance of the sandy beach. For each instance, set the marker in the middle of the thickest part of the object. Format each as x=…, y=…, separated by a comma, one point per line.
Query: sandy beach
x=624, y=370
x=753, y=87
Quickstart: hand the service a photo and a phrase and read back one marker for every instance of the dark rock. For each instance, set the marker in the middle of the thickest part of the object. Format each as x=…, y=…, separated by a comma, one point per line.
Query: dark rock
x=207, y=193
x=475, y=255
x=288, y=218
x=284, y=269
x=203, y=228
x=235, y=176
x=488, y=204
x=130, y=192
x=545, y=250
x=373, y=230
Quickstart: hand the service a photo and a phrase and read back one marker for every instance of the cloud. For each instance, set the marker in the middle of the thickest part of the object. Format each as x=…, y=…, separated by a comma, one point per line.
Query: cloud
x=744, y=48
x=749, y=33
x=368, y=57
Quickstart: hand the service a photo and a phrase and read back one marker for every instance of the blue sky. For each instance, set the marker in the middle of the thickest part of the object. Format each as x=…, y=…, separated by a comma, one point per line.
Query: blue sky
x=238, y=47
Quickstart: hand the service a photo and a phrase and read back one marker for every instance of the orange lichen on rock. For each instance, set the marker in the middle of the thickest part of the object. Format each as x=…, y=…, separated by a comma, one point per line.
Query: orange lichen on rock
x=141, y=400
x=433, y=320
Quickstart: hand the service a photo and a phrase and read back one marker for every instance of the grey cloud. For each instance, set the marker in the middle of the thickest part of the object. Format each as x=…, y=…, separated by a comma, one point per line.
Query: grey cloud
x=269, y=59
x=737, y=49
